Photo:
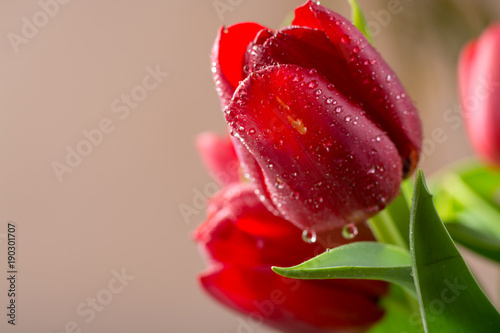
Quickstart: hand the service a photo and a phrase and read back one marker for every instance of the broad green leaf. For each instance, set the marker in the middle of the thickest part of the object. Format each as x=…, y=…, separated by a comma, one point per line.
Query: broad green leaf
x=358, y=19
x=468, y=199
x=449, y=296
x=478, y=241
x=360, y=260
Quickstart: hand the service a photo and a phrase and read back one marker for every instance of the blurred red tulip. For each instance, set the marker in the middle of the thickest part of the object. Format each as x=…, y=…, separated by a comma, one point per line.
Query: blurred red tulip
x=479, y=87
x=241, y=240
x=322, y=125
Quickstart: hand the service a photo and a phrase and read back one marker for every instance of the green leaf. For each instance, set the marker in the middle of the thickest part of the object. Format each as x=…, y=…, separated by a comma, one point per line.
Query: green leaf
x=449, y=296
x=360, y=260
x=468, y=202
x=480, y=242
x=358, y=19
x=392, y=225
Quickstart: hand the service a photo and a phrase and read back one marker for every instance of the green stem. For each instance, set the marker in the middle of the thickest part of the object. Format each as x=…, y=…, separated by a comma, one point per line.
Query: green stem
x=385, y=230
x=392, y=225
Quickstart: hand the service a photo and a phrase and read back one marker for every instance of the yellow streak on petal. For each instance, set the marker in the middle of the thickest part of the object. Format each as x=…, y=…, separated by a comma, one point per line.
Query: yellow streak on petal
x=282, y=103
x=297, y=124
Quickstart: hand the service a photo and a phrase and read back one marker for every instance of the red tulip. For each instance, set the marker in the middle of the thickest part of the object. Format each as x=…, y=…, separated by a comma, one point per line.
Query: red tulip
x=322, y=125
x=241, y=240
x=479, y=87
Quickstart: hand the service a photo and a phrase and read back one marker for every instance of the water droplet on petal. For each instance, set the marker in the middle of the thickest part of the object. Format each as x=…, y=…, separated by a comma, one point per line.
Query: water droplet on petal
x=338, y=109
x=329, y=100
x=251, y=131
x=313, y=84
x=345, y=39
x=347, y=118
x=355, y=49
x=388, y=78
x=309, y=236
x=349, y=231
x=372, y=170
x=318, y=92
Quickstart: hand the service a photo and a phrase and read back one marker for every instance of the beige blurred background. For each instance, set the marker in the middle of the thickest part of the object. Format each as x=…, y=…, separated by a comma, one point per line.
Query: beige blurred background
x=117, y=210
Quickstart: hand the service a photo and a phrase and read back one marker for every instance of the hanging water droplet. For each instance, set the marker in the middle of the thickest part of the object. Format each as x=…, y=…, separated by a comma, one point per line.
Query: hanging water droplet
x=309, y=236
x=349, y=231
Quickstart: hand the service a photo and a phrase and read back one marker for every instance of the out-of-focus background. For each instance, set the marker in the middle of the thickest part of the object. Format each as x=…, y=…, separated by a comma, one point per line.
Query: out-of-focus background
x=100, y=102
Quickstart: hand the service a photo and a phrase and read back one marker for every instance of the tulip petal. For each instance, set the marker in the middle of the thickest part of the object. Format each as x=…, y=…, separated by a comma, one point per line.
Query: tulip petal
x=242, y=240
x=306, y=48
x=393, y=111
x=228, y=55
x=238, y=224
x=291, y=305
x=219, y=157
x=302, y=130
x=479, y=80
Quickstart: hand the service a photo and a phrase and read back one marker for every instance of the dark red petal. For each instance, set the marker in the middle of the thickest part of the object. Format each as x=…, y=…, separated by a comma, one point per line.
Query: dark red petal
x=227, y=57
x=291, y=305
x=219, y=157
x=394, y=111
x=325, y=164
